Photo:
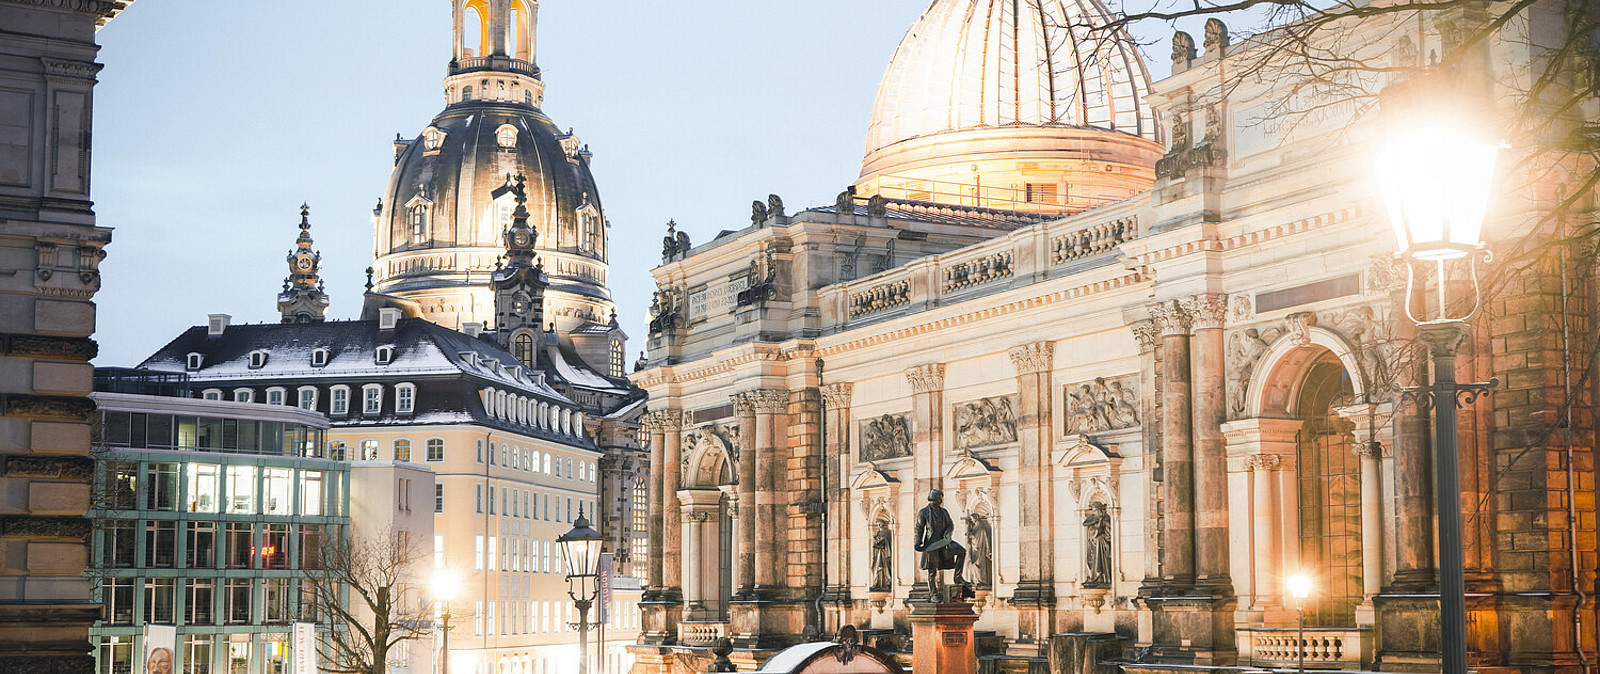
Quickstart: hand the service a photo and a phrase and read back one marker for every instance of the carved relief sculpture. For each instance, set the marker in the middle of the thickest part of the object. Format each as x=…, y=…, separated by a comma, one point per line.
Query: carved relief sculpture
x=980, y=551
x=882, y=562
x=1103, y=405
x=1097, y=546
x=887, y=437
x=990, y=421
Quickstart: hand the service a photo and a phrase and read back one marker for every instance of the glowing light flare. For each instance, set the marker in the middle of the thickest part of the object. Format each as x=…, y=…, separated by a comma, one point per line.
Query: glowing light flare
x=1436, y=179
x=1300, y=586
x=445, y=586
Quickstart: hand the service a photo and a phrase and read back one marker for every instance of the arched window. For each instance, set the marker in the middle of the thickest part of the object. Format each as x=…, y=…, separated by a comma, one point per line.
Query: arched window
x=527, y=98
x=1330, y=495
x=475, y=29
x=466, y=93
x=435, y=449
x=369, y=450
x=616, y=358
x=524, y=349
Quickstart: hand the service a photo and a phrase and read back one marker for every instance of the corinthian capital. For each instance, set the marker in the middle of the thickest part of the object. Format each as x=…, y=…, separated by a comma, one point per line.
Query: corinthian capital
x=662, y=421
x=1171, y=317
x=1207, y=312
x=770, y=401
x=1147, y=334
x=1033, y=358
x=926, y=378
x=837, y=396
x=744, y=404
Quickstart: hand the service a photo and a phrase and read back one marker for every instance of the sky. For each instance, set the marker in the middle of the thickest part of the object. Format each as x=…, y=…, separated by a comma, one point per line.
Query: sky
x=215, y=120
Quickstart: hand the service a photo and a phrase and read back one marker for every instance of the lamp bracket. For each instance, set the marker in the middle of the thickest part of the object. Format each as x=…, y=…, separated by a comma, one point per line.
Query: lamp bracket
x=1466, y=395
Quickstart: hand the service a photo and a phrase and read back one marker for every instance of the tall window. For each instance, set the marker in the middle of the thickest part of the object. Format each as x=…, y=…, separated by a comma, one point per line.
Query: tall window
x=117, y=593
x=202, y=545
x=405, y=398
x=419, y=224
x=524, y=350
x=339, y=400
x=237, y=594
x=617, y=357
x=201, y=593
x=160, y=600
x=1330, y=496
x=369, y=450
x=160, y=543
x=372, y=399
x=438, y=497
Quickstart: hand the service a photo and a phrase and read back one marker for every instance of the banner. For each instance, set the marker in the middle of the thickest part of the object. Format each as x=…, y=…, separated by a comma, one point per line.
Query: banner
x=603, y=599
x=159, y=644
x=305, y=648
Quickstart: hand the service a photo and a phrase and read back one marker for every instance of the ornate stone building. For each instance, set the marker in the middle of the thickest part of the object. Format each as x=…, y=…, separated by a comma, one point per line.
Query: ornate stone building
x=50, y=251
x=1145, y=416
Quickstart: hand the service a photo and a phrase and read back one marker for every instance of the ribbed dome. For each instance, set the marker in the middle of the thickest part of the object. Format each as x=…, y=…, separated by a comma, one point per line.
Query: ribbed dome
x=439, y=226
x=969, y=64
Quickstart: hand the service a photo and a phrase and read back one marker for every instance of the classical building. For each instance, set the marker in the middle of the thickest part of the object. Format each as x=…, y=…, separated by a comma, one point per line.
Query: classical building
x=51, y=249
x=1145, y=416
x=208, y=513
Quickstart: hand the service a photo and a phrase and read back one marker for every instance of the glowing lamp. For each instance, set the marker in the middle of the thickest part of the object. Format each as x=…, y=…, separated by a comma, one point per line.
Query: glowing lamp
x=1436, y=180
x=580, y=547
x=1300, y=586
x=445, y=585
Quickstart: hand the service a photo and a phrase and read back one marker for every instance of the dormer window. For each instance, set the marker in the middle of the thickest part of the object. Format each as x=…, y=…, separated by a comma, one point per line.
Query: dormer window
x=319, y=357
x=616, y=358
x=244, y=395
x=405, y=398
x=339, y=400
x=258, y=359
x=384, y=355
x=433, y=138
x=419, y=225
x=275, y=395
x=193, y=361
x=506, y=136
x=371, y=399
x=308, y=398
x=211, y=394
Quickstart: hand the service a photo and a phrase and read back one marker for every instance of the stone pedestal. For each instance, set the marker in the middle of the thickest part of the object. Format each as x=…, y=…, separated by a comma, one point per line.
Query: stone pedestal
x=941, y=638
x=1194, y=630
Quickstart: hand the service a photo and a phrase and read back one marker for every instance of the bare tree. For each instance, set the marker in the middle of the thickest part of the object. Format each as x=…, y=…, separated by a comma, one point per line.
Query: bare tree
x=366, y=591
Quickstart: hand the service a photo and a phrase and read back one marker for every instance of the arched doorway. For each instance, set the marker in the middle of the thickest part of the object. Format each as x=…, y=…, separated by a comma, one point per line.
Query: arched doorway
x=708, y=529
x=1329, y=480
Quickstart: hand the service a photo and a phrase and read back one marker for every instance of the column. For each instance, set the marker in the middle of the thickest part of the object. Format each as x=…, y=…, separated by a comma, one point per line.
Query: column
x=1208, y=313
x=771, y=533
x=702, y=560
x=1036, y=579
x=744, y=409
x=1267, y=584
x=836, y=463
x=1371, y=431
x=671, y=421
x=1413, y=488
x=652, y=424
x=1177, y=452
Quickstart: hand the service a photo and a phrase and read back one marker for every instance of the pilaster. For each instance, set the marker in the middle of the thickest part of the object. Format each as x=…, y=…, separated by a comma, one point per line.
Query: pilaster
x=1036, y=579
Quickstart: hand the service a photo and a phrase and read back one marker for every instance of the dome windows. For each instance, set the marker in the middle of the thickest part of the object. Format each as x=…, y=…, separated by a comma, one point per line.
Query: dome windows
x=419, y=225
x=466, y=93
x=433, y=138
x=506, y=137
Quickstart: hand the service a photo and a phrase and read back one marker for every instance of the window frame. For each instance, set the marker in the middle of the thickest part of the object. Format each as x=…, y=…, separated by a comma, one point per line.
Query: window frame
x=301, y=398
x=337, y=407
x=405, y=398
x=280, y=392
x=371, y=405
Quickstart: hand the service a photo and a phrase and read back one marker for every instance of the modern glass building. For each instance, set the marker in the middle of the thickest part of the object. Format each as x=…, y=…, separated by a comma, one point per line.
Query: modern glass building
x=206, y=514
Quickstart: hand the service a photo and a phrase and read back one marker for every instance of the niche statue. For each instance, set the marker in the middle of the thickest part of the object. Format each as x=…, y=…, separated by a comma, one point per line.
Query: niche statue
x=939, y=551
x=882, y=564
x=980, y=544
x=1097, y=546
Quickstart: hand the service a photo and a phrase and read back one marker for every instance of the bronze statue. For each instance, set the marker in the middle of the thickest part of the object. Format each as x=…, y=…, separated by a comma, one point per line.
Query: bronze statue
x=932, y=538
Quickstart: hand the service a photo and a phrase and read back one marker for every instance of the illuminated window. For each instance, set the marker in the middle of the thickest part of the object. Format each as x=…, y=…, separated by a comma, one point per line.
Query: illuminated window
x=402, y=450
x=1042, y=193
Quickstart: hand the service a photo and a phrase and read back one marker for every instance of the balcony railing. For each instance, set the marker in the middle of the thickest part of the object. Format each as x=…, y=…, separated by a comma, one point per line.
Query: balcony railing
x=701, y=633
x=472, y=63
x=1325, y=647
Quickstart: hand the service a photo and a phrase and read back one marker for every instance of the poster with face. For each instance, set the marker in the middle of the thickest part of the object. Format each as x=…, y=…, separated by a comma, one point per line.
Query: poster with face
x=158, y=648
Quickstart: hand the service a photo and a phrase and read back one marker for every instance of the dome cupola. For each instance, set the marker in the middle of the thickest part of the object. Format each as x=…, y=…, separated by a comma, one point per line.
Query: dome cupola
x=1016, y=105
x=440, y=227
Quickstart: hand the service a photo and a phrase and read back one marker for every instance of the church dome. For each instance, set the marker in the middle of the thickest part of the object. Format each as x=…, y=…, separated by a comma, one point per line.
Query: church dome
x=1012, y=105
x=437, y=230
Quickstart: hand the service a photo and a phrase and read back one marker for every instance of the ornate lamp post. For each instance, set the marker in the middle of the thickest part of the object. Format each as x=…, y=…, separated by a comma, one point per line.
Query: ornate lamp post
x=445, y=585
x=1436, y=178
x=1300, y=588
x=581, y=550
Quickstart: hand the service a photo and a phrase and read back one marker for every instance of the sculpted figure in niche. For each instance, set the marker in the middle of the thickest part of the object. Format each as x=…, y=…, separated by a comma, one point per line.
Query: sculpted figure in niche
x=932, y=538
x=882, y=557
x=980, y=543
x=1097, y=546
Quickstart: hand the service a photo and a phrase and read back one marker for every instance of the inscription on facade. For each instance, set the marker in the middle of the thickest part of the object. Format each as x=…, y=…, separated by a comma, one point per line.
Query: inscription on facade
x=716, y=300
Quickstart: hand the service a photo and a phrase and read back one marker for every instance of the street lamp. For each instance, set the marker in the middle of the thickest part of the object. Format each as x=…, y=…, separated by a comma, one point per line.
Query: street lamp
x=581, y=550
x=445, y=585
x=1437, y=180
x=1300, y=588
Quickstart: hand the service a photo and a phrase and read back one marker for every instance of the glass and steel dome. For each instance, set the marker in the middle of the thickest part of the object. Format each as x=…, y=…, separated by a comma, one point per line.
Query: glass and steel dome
x=977, y=84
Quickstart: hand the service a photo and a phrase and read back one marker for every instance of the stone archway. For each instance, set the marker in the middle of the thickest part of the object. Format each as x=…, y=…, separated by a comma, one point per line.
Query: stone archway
x=708, y=528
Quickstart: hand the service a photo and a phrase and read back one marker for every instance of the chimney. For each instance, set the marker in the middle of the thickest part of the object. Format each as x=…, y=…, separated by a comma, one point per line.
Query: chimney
x=473, y=329
x=217, y=323
x=387, y=317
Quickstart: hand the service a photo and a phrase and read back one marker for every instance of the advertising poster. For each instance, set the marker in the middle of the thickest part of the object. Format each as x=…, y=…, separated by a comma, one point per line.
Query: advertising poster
x=158, y=648
x=603, y=598
x=305, y=648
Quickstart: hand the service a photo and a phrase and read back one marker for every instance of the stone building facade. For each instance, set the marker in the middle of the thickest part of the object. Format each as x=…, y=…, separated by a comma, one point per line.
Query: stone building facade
x=51, y=250
x=1145, y=417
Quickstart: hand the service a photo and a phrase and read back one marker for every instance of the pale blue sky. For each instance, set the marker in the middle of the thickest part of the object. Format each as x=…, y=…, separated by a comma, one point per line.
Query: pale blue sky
x=214, y=120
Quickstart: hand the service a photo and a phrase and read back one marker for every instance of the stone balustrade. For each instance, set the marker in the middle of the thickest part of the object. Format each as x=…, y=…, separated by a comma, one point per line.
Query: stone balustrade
x=1325, y=647
x=701, y=633
x=982, y=269
x=880, y=297
x=1092, y=240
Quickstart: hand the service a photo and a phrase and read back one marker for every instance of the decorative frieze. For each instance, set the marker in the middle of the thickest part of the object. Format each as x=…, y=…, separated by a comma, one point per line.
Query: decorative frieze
x=985, y=422
x=1033, y=358
x=1103, y=404
x=1264, y=462
x=83, y=70
x=663, y=421
x=886, y=437
x=926, y=378
x=31, y=465
x=25, y=526
x=50, y=348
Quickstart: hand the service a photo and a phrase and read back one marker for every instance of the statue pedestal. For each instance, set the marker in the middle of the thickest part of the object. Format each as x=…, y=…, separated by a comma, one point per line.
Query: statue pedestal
x=941, y=638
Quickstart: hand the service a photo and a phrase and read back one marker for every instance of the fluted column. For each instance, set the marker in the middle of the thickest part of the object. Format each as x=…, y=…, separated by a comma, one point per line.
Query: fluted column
x=671, y=421
x=1149, y=338
x=1207, y=313
x=1177, y=451
x=744, y=409
x=771, y=534
x=1036, y=578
